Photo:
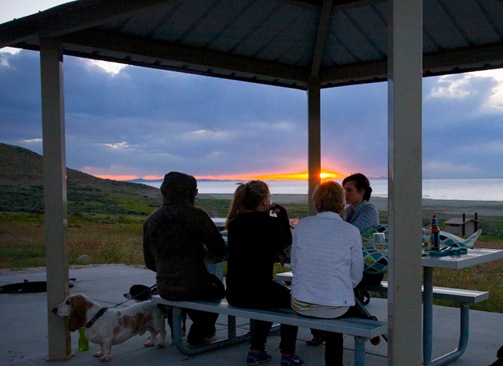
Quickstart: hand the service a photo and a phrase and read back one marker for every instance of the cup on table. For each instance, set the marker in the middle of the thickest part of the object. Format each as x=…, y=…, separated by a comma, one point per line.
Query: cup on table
x=379, y=241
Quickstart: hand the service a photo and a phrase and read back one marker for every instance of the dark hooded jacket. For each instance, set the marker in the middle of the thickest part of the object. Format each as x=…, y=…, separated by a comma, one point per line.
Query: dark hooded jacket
x=176, y=239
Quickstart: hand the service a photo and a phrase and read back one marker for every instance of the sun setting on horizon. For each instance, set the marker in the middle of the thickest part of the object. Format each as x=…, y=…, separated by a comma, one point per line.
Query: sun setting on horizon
x=299, y=176
x=324, y=175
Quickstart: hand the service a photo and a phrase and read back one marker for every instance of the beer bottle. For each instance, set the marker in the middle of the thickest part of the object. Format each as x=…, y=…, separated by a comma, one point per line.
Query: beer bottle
x=435, y=231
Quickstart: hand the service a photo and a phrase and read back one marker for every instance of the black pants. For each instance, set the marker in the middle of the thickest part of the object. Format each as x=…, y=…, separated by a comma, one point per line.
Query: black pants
x=334, y=342
x=367, y=280
x=279, y=298
x=370, y=280
x=203, y=323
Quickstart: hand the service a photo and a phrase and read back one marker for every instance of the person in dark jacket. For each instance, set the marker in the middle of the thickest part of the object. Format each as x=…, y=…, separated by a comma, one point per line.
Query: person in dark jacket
x=176, y=239
x=256, y=240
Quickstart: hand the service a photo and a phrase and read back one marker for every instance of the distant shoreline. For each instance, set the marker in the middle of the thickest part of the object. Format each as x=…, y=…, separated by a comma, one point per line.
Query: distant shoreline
x=450, y=207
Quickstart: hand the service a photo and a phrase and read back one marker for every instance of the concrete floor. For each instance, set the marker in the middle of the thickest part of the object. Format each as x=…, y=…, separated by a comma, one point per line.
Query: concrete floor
x=23, y=328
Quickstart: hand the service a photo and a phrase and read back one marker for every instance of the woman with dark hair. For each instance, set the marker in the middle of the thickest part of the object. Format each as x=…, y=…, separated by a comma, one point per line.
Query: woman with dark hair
x=256, y=240
x=363, y=215
x=360, y=212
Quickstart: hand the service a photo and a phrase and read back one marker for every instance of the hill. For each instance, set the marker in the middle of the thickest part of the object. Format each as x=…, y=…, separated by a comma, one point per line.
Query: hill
x=21, y=188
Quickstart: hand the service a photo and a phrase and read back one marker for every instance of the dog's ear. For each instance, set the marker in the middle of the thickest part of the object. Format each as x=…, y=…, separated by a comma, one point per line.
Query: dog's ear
x=76, y=321
x=77, y=318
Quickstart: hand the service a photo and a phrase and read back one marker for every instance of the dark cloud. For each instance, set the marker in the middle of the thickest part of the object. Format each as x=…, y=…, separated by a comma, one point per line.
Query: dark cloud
x=145, y=122
x=355, y=128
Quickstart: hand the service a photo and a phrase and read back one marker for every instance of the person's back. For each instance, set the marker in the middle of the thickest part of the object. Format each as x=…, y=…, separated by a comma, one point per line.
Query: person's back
x=327, y=263
x=255, y=242
x=175, y=240
x=177, y=235
x=324, y=261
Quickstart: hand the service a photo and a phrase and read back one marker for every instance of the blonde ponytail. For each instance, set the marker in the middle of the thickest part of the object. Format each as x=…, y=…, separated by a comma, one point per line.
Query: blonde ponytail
x=247, y=197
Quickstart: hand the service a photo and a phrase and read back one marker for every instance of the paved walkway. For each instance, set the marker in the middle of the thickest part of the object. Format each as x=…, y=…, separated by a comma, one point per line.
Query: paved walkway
x=23, y=328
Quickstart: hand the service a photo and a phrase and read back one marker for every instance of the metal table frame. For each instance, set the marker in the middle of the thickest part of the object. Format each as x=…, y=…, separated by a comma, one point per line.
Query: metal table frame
x=472, y=258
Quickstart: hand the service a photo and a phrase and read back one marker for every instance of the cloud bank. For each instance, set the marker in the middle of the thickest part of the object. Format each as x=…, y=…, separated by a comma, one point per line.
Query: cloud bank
x=131, y=121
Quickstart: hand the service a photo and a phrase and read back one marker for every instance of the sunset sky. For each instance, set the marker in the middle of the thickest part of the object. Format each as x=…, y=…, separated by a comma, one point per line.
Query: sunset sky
x=130, y=122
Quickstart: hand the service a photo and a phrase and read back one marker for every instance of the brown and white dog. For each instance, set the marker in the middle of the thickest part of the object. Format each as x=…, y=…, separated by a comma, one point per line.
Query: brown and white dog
x=144, y=293
x=107, y=327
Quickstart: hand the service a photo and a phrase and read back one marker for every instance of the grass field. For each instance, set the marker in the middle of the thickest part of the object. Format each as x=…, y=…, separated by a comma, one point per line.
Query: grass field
x=117, y=238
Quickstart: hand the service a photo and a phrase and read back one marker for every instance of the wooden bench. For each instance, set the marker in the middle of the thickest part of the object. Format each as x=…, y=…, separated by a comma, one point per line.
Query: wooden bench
x=360, y=329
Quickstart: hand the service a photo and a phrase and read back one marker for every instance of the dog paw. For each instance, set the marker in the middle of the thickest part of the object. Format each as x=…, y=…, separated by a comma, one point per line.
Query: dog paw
x=148, y=344
x=98, y=354
x=161, y=345
x=105, y=358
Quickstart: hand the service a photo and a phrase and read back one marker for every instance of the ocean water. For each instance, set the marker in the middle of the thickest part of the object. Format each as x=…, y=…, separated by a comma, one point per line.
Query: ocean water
x=440, y=189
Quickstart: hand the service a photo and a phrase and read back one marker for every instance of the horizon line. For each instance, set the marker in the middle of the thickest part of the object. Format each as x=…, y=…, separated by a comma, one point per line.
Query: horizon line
x=325, y=174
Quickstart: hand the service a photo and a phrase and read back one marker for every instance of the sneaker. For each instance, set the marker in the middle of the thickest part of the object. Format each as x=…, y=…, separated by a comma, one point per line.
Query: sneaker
x=257, y=358
x=291, y=360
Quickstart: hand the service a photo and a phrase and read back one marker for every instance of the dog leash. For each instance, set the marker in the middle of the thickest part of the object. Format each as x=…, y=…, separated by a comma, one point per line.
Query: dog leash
x=105, y=308
x=90, y=323
x=134, y=297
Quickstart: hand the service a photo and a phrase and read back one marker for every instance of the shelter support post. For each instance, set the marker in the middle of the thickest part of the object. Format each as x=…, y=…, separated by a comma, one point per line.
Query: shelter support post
x=54, y=179
x=405, y=180
x=314, y=139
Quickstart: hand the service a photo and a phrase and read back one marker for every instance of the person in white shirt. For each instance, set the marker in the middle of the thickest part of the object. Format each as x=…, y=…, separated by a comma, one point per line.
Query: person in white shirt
x=327, y=264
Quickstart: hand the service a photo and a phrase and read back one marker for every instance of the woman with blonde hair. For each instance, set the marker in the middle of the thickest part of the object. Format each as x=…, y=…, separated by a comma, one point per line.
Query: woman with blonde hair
x=256, y=240
x=327, y=264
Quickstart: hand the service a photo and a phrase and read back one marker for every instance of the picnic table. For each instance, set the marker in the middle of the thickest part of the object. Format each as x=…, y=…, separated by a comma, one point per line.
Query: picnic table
x=473, y=257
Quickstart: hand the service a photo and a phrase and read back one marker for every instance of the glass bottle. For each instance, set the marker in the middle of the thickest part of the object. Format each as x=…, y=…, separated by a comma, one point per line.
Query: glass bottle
x=435, y=231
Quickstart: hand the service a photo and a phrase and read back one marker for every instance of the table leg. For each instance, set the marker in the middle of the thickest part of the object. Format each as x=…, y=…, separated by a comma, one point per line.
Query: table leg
x=359, y=351
x=428, y=325
x=463, y=339
x=427, y=314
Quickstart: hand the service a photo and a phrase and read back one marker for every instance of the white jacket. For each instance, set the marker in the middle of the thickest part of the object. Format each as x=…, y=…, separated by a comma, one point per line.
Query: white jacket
x=327, y=260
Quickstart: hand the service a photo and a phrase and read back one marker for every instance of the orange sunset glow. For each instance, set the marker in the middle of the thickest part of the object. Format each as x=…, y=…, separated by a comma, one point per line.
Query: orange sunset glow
x=299, y=176
x=324, y=175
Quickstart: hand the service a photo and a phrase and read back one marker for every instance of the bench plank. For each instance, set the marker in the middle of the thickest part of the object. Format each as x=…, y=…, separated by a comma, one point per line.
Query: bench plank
x=351, y=326
x=360, y=329
x=440, y=293
x=444, y=293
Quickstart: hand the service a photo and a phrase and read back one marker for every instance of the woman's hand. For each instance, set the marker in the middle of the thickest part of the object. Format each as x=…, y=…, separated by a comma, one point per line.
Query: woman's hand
x=275, y=208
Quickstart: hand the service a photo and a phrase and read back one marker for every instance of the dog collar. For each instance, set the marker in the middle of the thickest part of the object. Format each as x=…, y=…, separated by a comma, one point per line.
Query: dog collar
x=95, y=317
